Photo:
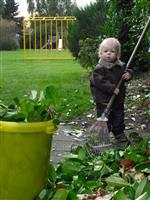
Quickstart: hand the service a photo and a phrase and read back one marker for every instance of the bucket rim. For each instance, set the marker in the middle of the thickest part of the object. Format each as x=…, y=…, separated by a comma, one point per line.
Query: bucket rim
x=27, y=127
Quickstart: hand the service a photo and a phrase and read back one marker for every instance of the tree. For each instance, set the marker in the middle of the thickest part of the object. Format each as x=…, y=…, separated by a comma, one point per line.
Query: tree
x=124, y=9
x=140, y=15
x=2, y=8
x=51, y=7
x=31, y=6
x=41, y=7
x=11, y=9
x=126, y=20
x=66, y=7
x=8, y=40
x=89, y=23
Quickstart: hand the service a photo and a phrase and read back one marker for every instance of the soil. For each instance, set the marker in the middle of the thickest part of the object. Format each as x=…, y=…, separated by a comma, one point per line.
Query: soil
x=137, y=109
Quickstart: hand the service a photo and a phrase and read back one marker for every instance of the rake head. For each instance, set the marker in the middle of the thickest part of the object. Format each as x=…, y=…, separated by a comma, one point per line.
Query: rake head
x=99, y=136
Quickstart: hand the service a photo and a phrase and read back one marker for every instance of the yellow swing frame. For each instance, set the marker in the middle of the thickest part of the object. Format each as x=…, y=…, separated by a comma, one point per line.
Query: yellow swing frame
x=33, y=39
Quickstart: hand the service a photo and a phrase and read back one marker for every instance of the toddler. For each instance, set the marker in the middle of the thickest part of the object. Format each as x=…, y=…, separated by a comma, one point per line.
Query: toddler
x=103, y=83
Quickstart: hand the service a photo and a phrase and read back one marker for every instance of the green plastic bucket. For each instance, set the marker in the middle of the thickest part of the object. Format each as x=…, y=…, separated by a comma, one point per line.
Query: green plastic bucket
x=24, y=157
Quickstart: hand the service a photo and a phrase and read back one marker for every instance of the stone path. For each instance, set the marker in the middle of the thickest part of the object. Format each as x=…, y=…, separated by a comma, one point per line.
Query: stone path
x=63, y=141
x=74, y=133
x=66, y=139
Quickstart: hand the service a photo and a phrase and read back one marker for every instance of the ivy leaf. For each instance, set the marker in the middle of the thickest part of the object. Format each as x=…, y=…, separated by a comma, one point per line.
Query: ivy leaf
x=140, y=188
x=61, y=194
x=130, y=191
x=144, y=196
x=71, y=168
x=105, y=170
x=135, y=156
x=120, y=195
x=52, y=173
x=143, y=167
x=117, y=182
x=92, y=185
x=81, y=154
x=42, y=195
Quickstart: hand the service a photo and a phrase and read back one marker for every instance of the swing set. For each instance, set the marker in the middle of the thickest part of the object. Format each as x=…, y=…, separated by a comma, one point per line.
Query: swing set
x=46, y=37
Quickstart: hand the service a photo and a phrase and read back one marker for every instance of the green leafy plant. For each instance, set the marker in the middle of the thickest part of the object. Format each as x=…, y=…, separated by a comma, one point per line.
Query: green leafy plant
x=35, y=107
x=118, y=174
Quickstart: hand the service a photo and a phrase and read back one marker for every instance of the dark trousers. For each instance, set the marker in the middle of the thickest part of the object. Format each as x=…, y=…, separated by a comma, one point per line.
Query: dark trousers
x=115, y=118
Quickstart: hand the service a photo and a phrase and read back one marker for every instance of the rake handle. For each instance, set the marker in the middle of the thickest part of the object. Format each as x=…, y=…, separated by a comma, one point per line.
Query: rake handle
x=107, y=109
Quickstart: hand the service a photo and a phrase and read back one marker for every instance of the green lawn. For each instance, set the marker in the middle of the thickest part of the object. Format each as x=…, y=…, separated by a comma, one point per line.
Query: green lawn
x=70, y=80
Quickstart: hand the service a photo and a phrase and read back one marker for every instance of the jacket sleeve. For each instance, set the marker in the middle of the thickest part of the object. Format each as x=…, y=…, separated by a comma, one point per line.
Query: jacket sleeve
x=101, y=82
x=131, y=71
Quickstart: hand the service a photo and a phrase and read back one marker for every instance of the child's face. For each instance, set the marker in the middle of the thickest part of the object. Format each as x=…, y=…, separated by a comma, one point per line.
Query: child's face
x=108, y=54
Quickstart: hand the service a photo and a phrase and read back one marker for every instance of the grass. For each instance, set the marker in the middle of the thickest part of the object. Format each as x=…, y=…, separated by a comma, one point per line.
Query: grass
x=69, y=78
x=47, y=54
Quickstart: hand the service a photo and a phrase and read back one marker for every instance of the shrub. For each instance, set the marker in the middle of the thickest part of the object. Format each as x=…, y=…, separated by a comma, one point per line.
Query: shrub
x=88, y=54
x=88, y=25
x=126, y=20
x=8, y=40
x=73, y=38
x=9, y=44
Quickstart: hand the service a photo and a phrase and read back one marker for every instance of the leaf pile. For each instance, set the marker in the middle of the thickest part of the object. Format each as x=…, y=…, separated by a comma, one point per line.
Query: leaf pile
x=137, y=105
x=139, y=99
x=118, y=174
x=35, y=107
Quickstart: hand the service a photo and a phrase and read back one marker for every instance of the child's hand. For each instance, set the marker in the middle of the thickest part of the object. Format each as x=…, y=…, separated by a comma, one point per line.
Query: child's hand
x=126, y=76
x=116, y=91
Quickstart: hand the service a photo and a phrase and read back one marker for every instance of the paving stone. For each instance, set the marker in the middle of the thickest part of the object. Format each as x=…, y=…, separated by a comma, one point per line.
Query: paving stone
x=62, y=143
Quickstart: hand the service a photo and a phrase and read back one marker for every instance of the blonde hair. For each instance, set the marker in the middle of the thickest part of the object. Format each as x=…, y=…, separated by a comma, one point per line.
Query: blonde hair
x=111, y=43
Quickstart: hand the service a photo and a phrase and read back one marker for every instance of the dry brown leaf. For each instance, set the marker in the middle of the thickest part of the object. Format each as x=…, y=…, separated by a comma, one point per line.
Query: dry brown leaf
x=127, y=164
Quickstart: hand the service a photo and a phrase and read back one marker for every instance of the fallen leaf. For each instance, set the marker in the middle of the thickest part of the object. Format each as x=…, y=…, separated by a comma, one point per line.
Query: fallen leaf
x=127, y=164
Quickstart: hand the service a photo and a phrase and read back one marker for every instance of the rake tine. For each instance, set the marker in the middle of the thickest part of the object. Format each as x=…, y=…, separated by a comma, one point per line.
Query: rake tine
x=99, y=137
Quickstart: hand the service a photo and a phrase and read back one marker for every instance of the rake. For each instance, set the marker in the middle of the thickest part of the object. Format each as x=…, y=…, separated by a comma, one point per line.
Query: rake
x=99, y=136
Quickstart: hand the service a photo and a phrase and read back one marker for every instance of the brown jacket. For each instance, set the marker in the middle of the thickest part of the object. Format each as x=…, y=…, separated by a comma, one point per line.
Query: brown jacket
x=104, y=80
